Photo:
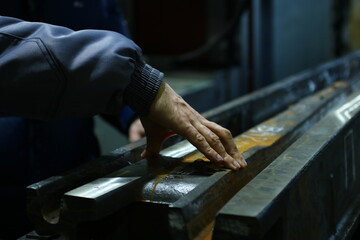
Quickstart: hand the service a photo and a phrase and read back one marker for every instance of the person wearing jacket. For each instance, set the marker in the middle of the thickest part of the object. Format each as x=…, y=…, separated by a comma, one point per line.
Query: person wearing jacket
x=48, y=148
x=51, y=72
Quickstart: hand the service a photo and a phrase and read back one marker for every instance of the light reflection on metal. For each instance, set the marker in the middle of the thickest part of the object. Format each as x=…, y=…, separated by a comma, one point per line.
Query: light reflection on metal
x=169, y=188
x=345, y=112
x=179, y=150
x=260, y=145
x=238, y=115
x=99, y=187
x=319, y=170
x=312, y=86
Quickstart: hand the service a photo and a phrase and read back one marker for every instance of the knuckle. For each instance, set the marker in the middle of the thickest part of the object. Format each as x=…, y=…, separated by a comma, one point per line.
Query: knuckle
x=188, y=130
x=209, y=150
x=215, y=140
x=227, y=133
x=199, y=138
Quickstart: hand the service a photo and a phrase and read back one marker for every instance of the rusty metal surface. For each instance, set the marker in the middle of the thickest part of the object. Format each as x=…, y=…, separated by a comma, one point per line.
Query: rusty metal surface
x=237, y=115
x=200, y=188
x=311, y=191
x=260, y=145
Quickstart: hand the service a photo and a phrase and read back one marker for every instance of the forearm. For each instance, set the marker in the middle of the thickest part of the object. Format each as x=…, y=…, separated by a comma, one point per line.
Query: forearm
x=51, y=72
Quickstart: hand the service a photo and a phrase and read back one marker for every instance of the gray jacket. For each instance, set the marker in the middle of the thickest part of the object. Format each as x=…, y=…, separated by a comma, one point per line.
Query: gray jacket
x=49, y=72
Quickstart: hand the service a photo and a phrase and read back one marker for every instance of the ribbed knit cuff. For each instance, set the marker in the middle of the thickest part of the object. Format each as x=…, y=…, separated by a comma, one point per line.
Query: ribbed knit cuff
x=142, y=89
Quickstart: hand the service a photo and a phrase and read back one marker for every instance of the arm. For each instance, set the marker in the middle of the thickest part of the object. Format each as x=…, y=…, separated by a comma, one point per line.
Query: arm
x=50, y=72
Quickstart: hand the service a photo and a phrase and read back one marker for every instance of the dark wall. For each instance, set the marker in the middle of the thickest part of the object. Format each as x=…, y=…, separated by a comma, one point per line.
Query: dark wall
x=169, y=27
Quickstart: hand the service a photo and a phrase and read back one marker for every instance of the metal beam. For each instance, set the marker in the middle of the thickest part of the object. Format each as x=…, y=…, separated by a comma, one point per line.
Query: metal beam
x=191, y=214
x=311, y=191
x=237, y=115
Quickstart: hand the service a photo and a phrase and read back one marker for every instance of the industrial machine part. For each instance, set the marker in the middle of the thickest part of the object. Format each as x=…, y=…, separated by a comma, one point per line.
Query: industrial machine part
x=310, y=191
x=179, y=195
x=260, y=145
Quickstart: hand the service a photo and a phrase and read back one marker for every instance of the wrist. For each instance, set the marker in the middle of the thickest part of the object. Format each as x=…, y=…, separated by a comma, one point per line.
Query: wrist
x=143, y=88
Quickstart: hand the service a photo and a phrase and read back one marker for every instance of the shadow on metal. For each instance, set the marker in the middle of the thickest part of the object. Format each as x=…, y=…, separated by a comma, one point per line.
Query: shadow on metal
x=67, y=203
x=311, y=191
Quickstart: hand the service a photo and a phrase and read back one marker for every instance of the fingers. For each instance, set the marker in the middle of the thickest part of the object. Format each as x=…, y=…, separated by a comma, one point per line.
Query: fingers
x=156, y=135
x=134, y=136
x=154, y=144
x=221, y=140
x=170, y=111
x=211, y=145
x=212, y=140
x=227, y=140
x=136, y=131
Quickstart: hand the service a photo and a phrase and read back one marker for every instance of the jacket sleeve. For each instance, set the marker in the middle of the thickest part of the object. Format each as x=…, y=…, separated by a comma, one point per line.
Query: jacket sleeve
x=49, y=72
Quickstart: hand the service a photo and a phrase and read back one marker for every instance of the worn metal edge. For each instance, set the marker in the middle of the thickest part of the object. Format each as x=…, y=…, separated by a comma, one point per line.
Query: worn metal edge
x=268, y=193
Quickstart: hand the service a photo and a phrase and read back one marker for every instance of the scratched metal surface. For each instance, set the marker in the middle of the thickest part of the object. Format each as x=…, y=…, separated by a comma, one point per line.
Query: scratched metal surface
x=198, y=188
x=237, y=115
x=260, y=145
x=311, y=191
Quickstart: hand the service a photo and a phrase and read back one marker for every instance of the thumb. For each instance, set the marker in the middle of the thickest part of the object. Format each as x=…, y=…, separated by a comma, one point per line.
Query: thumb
x=154, y=144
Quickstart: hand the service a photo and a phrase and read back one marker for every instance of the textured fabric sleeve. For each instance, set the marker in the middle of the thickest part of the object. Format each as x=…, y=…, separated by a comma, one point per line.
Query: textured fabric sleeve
x=142, y=90
x=51, y=72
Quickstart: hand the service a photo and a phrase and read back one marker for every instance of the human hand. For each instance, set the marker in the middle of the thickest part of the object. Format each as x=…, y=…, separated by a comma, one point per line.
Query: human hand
x=170, y=114
x=136, y=131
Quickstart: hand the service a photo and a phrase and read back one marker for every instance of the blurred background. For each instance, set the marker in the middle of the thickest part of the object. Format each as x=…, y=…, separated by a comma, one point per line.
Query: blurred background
x=212, y=51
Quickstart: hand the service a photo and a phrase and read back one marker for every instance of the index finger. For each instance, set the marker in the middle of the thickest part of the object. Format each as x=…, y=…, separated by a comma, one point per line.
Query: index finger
x=228, y=142
x=200, y=142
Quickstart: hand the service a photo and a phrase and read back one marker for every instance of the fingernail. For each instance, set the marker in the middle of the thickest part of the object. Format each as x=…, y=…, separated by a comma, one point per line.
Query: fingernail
x=244, y=163
x=219, y=158
x=236, y=164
